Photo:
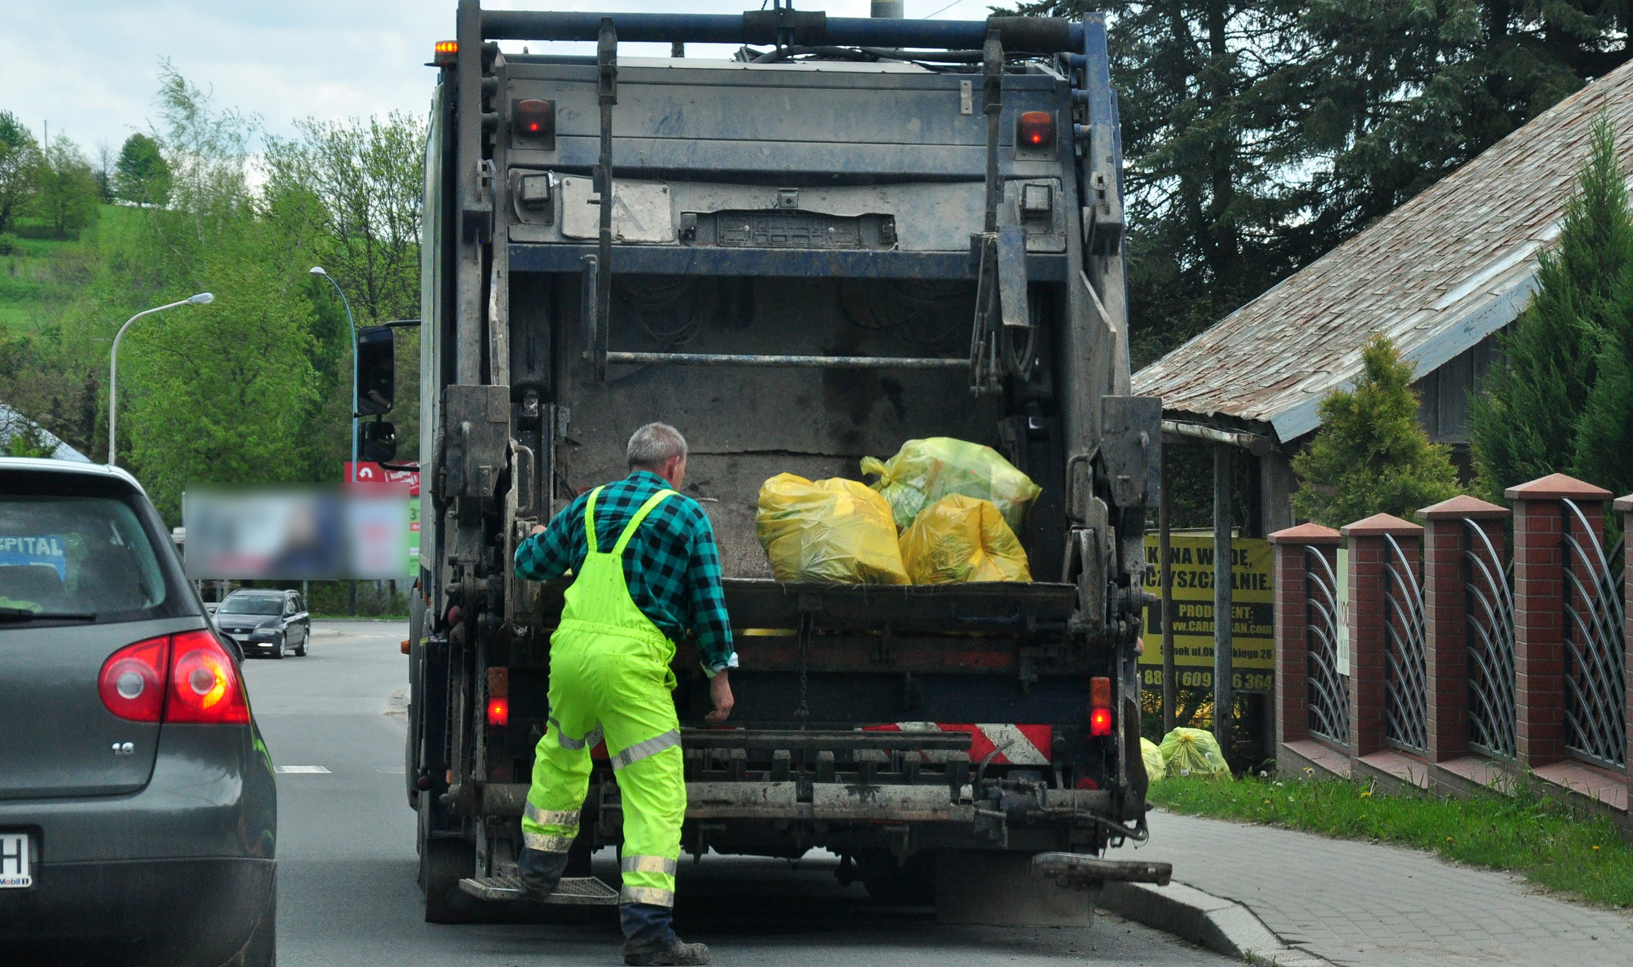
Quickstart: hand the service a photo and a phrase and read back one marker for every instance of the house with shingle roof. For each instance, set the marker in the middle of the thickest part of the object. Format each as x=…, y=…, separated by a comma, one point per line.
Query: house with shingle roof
x=14, y=424
x=1439, y=275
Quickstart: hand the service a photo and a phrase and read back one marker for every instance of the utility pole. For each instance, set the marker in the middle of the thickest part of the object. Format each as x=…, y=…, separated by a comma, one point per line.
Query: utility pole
x=1221, y=597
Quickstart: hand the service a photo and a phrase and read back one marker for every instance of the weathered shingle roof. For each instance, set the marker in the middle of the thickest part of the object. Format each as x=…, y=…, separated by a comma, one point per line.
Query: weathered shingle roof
x=1436, y=275
x=13, y=422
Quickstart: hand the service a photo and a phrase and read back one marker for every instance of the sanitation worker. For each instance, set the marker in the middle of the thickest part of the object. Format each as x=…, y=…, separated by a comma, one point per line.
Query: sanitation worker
x=646, y=570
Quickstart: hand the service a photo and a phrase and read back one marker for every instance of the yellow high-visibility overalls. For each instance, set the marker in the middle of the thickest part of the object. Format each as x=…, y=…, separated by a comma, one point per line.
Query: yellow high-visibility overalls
x=610, y=679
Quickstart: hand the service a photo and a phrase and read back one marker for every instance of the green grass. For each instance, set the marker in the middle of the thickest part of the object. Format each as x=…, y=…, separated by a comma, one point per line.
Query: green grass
x=1526, y=833
x=30, y=278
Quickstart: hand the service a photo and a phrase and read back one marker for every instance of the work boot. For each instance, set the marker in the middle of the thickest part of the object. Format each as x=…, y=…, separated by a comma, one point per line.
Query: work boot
x=540, y=873
x=671, y=950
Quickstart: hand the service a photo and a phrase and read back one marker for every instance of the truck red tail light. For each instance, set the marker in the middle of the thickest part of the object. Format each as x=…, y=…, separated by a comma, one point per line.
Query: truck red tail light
x=446, y=53
x=179, y=678
x=204, y=684
x=1035, y=129
x=498, y=695
x=132, y=680
x=534, y=119
x=1099, y=707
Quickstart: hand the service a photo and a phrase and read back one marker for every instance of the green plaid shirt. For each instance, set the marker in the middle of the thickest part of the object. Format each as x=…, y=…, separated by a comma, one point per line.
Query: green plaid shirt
x=671, y=565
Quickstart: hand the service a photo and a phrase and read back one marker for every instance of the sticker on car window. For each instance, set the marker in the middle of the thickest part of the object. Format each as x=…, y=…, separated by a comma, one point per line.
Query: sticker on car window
x=24, y=551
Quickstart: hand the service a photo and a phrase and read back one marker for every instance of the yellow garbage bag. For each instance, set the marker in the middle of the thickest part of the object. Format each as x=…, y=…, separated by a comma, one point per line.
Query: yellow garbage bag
x=924, y=471
x=836, y=531
x=1155, y=767
x=1193, y=752
x=960, y=538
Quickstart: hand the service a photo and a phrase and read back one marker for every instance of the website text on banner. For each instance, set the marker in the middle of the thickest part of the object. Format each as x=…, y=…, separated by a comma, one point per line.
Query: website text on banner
x=1253, y=613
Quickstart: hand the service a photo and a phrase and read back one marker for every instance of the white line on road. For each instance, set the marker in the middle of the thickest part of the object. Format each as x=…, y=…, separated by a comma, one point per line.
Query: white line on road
x=301, y=770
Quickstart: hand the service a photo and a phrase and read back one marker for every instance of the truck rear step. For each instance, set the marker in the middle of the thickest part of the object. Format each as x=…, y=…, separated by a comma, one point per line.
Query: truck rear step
x=1077, y=871
x=575, y=890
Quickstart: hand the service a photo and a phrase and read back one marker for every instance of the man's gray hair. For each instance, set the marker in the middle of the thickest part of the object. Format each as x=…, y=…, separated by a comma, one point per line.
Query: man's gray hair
x=655, y=444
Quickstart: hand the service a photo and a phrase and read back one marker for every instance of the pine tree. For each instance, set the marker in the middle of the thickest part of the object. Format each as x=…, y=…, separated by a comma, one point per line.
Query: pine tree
x=1528, y=419
x=1371, y=455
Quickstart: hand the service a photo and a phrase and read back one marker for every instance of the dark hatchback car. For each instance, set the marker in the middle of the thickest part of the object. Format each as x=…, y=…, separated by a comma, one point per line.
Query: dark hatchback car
x=138, y=811
x=266, y=623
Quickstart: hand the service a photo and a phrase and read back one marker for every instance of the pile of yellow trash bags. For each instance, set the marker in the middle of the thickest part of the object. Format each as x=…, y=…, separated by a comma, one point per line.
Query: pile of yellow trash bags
x=1184, y=753
x=942, y=510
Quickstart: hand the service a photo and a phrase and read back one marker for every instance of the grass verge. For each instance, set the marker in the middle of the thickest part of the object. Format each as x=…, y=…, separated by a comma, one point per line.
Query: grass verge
x=1526, y=833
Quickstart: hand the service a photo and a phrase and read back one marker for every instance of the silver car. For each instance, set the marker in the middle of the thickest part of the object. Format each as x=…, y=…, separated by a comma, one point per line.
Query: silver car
x=138, y=812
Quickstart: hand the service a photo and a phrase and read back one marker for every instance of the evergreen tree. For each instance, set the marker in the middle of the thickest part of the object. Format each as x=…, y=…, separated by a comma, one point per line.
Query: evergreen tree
x=1526, y=421
x=141, y=174
x=1371, y=455
x=1260, y=134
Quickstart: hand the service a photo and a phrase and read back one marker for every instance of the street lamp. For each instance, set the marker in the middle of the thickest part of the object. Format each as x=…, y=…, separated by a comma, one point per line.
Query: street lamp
x=318, y=270
x=201, y=299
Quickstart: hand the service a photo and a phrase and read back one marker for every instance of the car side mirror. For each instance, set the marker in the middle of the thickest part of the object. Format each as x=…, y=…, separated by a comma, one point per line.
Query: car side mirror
x=376, y=370
x=377, y=441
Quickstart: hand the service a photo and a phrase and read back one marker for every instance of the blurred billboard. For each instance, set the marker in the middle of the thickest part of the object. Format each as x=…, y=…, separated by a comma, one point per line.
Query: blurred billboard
x=318, y=532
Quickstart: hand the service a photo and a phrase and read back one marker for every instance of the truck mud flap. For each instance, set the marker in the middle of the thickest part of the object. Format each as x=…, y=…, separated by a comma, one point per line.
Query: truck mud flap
x=1078, y=872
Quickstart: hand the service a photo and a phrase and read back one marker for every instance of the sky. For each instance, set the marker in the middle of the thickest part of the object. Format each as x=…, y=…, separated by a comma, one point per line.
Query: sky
x=89, y=68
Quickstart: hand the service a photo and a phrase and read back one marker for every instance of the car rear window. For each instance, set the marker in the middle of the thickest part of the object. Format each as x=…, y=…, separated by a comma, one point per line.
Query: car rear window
x=78, y=555
x=251, y=604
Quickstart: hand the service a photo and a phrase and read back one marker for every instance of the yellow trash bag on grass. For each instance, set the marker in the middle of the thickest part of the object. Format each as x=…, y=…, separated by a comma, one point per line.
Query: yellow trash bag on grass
x=1193, y=752
x=835, y=531
x=960, y=538
x=1152, y=754
x=924, y=471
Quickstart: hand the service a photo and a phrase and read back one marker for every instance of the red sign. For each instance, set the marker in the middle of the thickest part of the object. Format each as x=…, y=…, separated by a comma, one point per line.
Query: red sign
x=374, y=473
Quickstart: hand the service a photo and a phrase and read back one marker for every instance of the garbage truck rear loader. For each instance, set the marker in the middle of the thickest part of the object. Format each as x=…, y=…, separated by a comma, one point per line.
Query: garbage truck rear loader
x=858, y=232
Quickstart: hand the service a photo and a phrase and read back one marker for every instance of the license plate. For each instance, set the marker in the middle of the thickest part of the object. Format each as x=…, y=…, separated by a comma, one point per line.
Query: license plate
x=15, y=871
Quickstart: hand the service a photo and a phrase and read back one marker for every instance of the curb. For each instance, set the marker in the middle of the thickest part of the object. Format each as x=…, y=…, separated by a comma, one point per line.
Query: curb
x=1223, y=926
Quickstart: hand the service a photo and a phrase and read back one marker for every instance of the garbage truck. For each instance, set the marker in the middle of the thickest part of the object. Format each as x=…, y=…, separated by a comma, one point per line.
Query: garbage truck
x=847, y=234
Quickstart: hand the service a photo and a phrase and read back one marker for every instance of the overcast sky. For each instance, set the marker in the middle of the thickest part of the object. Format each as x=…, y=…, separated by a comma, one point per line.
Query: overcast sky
x=89, y=68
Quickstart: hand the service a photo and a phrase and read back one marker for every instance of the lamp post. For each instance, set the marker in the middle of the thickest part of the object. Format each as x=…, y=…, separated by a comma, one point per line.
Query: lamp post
x=318, y=270
x=201, y=299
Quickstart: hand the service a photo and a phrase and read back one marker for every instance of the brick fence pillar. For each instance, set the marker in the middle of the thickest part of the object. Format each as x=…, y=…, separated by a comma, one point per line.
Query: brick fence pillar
x=1293, y=625
x=1539, y=610
x=1624, y=506
x=1369, y=560
x=1445, y=618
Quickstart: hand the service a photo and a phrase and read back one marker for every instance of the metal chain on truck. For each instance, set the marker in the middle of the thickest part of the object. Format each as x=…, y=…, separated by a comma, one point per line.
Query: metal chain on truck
x=803, y=712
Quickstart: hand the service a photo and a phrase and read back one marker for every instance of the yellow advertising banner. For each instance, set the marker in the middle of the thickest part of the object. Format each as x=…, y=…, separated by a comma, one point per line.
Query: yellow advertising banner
x=1253, y=612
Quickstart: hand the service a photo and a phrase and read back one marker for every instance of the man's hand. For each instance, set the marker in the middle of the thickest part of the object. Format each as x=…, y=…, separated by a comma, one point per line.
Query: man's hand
x=536, y=531
x=720, y=694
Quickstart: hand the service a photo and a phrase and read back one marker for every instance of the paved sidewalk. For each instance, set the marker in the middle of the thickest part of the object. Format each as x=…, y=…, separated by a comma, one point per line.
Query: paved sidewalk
x=1359, y=904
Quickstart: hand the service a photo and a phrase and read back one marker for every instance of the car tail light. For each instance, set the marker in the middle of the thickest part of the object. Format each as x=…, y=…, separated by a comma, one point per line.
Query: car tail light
x=446, y=53
x=498, y=711
x=204, y=683
x=534, y=119
x=1099, y=707
x=1036, y=129
x=133, y=678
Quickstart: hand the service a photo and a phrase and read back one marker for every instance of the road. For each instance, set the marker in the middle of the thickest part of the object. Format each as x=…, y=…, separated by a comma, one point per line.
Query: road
x=346, y=860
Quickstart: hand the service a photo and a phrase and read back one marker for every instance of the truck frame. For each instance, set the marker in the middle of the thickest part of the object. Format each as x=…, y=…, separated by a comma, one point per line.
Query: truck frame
x=858, y=232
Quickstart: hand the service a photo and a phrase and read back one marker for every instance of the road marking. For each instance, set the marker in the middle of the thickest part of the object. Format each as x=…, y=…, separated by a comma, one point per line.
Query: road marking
x=301, y=770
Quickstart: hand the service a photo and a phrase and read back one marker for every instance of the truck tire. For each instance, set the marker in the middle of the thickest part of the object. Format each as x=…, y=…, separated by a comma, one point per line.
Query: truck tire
x=443, y=863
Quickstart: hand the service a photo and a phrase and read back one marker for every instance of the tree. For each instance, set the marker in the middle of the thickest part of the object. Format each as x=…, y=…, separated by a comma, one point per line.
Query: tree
x=19, y=168
x=142, y=175
x=67, y=196
x=353, y=190
x=1260, y=134
x=1526, y=421
x=104, y=172
x=1371, y=456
